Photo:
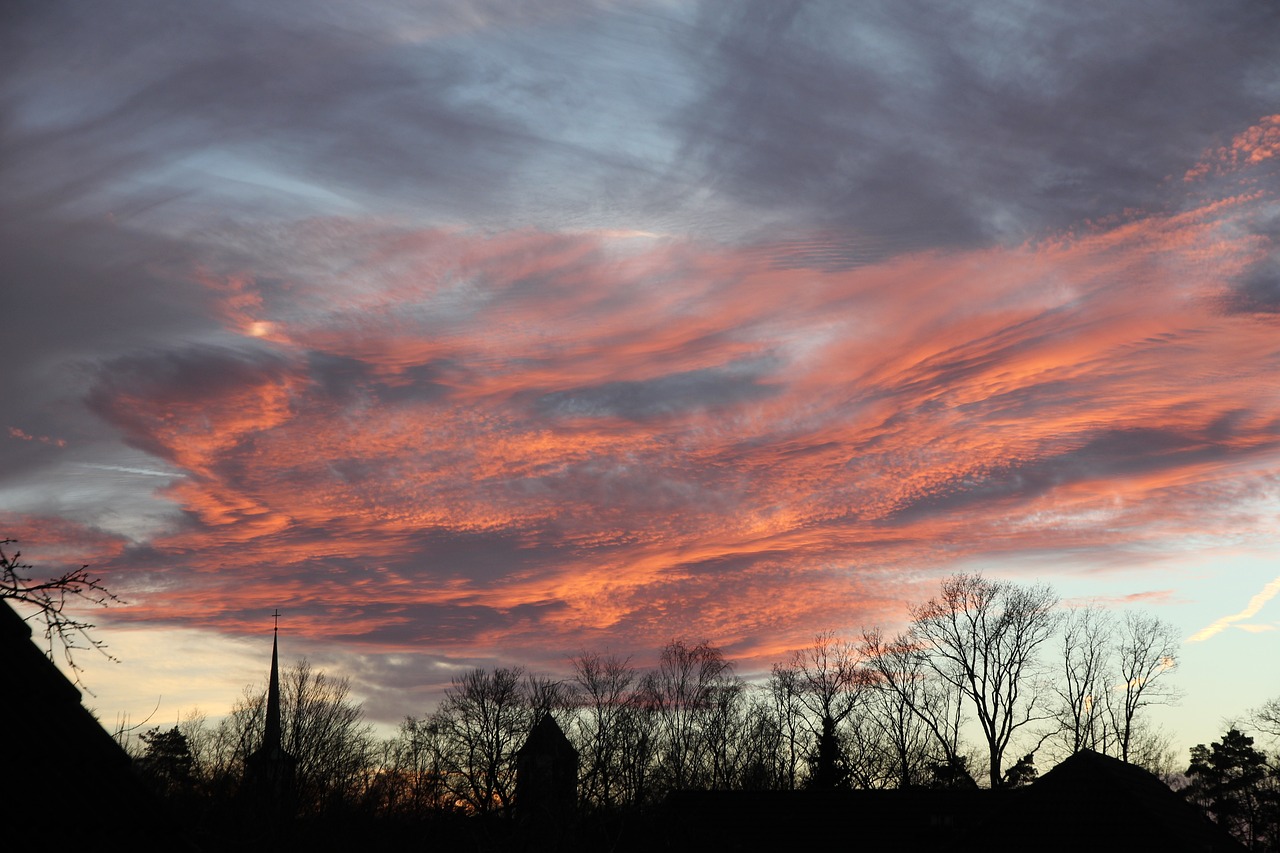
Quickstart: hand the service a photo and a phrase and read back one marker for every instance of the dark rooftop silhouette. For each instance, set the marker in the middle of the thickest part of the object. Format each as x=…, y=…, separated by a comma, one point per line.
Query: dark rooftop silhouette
x=1088, y=802
x=66, y=777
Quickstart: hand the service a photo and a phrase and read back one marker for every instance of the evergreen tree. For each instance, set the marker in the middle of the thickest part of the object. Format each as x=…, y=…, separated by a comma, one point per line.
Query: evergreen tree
x=166, y=763
x=1231, y=780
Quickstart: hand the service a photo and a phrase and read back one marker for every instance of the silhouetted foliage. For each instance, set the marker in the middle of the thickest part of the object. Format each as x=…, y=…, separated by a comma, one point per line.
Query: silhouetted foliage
x=1236, y=786
x=1023, y=772
x=953, y=774
x=50, y=599
x=830, y=684
x=834, y=719
x=166, y=762
x=982, y=637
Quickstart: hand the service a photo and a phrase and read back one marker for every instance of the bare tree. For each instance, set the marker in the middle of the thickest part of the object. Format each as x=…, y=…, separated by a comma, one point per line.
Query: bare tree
x=768, y=759
x=684, y=692
x=639, y=744
x=831, y=680
x=904, y=736
x=605, y=690
x=788, y=712
x=415, y=773
x=217, y=752
x=326, y=732
x=50, y=600
x=982, y=637
x=1266, y=718
x=871, y=756
x=1082, y=691
x=915, y=704
x=482, y=723
x=484, y=718
x=726, y=736
x=321, y=727
x=1146, y=652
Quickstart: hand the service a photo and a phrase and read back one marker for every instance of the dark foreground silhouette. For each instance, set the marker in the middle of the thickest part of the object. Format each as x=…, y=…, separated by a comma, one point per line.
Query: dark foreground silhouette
x=75, y=787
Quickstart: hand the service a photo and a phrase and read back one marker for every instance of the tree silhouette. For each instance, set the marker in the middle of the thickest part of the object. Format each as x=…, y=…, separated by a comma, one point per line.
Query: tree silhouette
x=982, y=637
x=321, y=727
x=690, y=684
x=1146, y=653
x=917, y=705
x=604, y=690
x=1083, y=685
x=166, y=761
x=50, y=599
x=1231, y=780
x=831, y=682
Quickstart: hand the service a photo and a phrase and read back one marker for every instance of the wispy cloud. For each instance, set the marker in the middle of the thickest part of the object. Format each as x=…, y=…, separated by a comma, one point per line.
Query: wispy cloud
x=125, y=469
x=475, y=331
x=1255, y=604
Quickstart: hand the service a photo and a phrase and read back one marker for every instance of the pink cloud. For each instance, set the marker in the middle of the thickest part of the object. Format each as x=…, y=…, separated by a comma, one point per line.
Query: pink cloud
x=575, y=437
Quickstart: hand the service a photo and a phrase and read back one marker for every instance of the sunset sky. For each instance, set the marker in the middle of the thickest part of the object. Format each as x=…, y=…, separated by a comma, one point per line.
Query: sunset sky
x=476, y=333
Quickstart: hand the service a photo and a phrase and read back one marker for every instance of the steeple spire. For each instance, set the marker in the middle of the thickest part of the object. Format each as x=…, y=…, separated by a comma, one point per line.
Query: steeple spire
x=271, y=736
x=269, y=771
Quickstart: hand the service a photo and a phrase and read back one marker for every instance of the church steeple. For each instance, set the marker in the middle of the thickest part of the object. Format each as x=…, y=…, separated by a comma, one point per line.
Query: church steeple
x=270, y=771
x=271, y=735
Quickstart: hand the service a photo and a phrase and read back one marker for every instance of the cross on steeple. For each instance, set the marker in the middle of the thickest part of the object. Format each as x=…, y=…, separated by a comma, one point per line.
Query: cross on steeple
x=271, y=735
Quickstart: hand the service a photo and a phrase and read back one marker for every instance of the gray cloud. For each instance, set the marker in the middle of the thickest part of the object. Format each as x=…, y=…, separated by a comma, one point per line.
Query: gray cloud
x=931, y=124
x=678, y=393
x=1110, y=453
x=237, y=101
x=413, y=196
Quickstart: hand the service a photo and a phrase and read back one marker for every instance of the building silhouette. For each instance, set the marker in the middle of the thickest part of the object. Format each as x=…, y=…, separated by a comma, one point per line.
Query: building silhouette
x=270, y=771
x=66, y=778
x=546, y=774
x=546, y=795
x=1087, y=802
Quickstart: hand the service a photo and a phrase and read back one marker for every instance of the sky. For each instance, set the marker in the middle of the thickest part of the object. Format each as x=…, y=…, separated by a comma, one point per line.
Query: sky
x=476, y=333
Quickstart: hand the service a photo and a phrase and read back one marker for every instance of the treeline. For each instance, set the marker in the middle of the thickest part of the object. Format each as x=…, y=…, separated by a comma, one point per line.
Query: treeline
x=988, y=677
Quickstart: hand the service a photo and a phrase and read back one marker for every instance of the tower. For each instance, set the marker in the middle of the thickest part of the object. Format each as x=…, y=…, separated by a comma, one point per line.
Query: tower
x=269, y=771
x=546, y=775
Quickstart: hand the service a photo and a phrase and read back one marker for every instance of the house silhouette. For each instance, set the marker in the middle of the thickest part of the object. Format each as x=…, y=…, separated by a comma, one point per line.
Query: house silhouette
x=1088, y=802
x=69, y=783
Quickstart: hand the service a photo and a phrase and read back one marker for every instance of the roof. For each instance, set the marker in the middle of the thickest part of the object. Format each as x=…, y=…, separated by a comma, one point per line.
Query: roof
x=1088, y=802
x=1110, y=804
x=62, y=767
x=547, y=738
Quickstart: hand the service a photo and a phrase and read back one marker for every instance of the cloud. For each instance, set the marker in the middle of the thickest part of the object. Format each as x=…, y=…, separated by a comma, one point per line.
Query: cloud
x=583, y=327
x=551, y=466
x=709, y=388
x=930, y=125
x=1250, y=610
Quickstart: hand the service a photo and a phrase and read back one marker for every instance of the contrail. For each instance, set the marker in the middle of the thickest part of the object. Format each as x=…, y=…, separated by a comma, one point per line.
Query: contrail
x=149, y=472
x=1255, y=604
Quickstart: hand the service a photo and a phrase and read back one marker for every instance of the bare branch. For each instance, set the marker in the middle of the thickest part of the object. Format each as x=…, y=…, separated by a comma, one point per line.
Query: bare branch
x=50, y=599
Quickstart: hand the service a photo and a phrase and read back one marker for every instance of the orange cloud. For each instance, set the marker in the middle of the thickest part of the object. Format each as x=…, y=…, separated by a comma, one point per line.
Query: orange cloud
x=471, y=441
x=1253, y=146
x=14, y=432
